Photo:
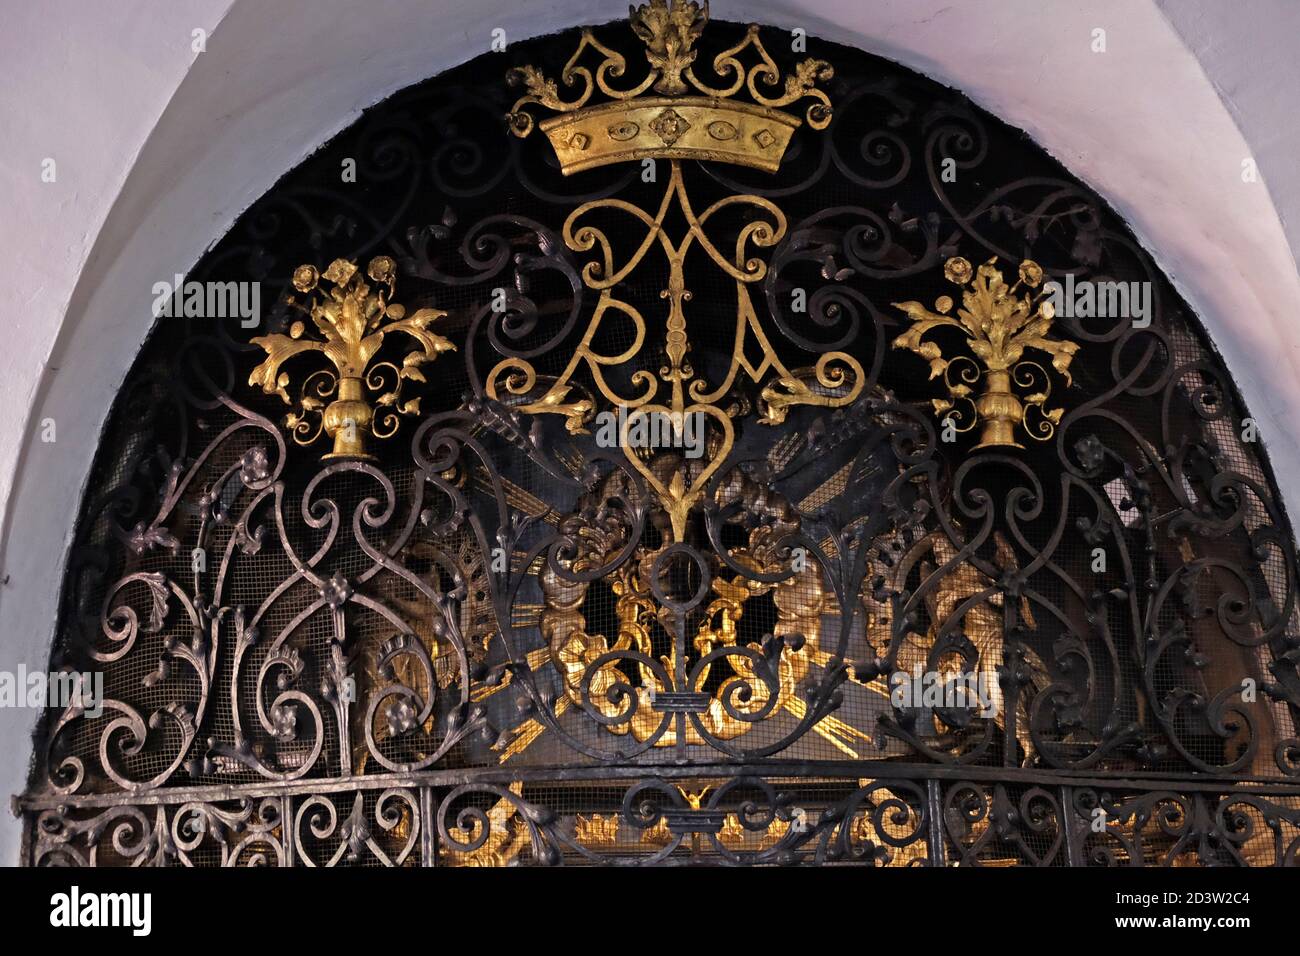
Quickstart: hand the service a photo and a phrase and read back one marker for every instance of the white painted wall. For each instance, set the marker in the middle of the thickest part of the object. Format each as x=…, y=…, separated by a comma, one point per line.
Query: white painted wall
x=159, y=149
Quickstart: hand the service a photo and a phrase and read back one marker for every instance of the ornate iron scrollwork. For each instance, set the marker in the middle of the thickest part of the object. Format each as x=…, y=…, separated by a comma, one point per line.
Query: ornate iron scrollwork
x=821, y=634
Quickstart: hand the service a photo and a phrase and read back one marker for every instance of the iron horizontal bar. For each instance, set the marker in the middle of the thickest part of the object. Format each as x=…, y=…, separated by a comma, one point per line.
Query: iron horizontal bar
x=695, y=821
x=848, y=769
x=680, y=702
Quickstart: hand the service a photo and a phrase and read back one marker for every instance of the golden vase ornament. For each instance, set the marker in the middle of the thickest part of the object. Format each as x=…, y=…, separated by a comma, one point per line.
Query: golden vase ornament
x=999, y=323
x=353, y=318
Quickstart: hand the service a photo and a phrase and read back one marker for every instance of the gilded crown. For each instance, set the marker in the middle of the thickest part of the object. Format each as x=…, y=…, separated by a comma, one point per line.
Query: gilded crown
x=671, y=113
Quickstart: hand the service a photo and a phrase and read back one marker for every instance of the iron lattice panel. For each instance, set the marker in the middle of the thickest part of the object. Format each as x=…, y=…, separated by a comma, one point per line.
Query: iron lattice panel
x=502, y=716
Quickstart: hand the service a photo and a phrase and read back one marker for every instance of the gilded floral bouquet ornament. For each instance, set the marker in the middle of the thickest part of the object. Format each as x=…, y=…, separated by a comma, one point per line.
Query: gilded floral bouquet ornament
x=353, y=319
x=999, y=324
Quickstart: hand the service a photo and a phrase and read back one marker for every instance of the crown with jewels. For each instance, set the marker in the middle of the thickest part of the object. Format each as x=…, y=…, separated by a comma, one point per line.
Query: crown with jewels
x=671, y=113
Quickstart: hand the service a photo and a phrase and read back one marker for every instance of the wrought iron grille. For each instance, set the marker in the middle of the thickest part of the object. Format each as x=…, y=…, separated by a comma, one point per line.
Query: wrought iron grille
x=475, y=633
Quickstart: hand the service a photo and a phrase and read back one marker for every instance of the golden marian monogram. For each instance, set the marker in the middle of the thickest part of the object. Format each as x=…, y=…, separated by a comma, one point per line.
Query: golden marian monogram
x=675, y=125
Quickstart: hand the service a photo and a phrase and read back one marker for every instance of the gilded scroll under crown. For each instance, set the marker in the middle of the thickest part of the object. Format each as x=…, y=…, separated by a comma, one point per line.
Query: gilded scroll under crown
x=712, y=126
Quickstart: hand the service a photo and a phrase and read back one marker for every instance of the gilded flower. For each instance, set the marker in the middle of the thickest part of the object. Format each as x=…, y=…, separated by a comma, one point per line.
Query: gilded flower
x=957, y=270
x=305, y=278
x=383, y=269
x=1031, y=273
x=670, y=125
